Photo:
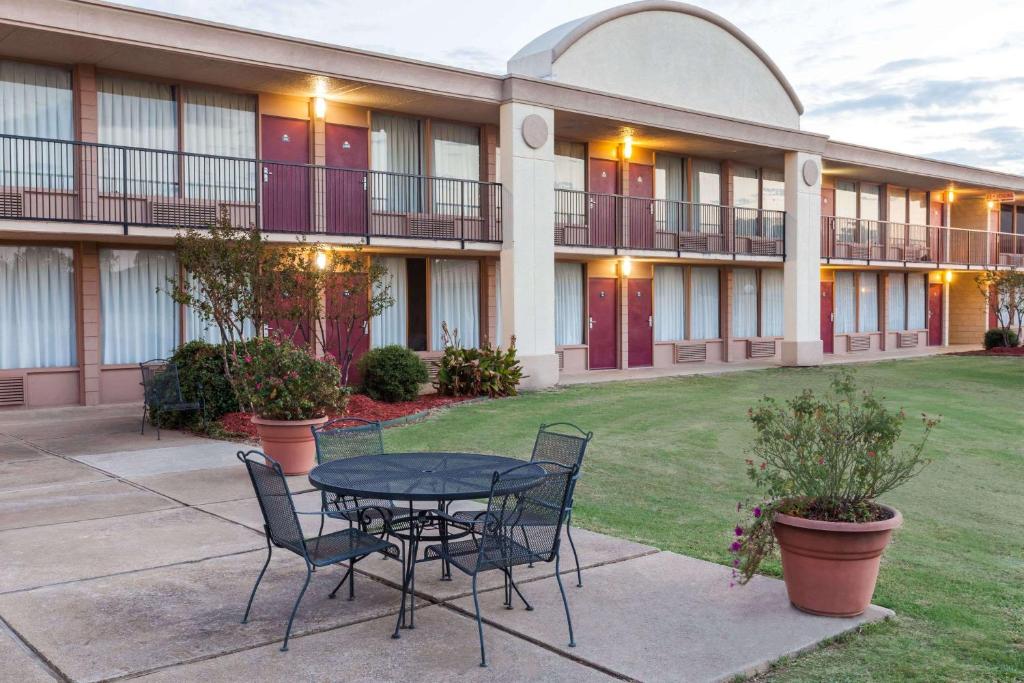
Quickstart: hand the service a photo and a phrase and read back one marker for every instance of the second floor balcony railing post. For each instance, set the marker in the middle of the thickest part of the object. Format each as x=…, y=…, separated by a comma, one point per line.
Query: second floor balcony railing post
x=124, y=189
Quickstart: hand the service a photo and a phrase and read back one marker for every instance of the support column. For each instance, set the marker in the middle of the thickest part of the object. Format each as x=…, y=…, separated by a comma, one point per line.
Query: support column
x=528, y=240
x=318, y=130
x=89, y=348
x=87, y=127
x=802, y=308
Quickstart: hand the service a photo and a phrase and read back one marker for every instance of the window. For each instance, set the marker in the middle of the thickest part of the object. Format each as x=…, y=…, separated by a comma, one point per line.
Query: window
x=772, y=291
x=36, y=101
x=744, y=302
x=570, y=165
x=395, y=151
x=917, y=290
x=868, y=303
x=918, y=210
x=139, y=322
x=669, y=186
x=416, y=307
x=846, y=211
x=1006, y=218
x=455, y=300
x=568, y=304
x=220, y=124
x=143, y=115
x=669, y=303
x=37, y=307
x=870, y=212
x=196, y=327
x=896, y=302
x=391, y=326
x=456, y=155
x=773, y=198
x=897, y=206
x=707, y=190
x=746, y=197
x=704, y=303
x=845, y=303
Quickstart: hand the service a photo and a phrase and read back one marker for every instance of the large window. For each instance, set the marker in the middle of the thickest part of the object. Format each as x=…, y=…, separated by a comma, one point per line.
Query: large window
x=221, y=124
x=456, y=155
x=570, y=165
x=669, y=186
x=455, y=300
x=36, y=101
x=918, y=208
x=391, y=326
x=896, y=302
x=669, y=303
x=870, y=212
x=897, y=206
x=568, y=304
x=142, y=115
x=845, y=303
x=917, y=292
x=867, y=318
x=772, y=306
x=395, y=147
x=139, y=322
x=37, y=307
x=744, y=302
x=773, y=198
x=704, y=303
x=746, y=197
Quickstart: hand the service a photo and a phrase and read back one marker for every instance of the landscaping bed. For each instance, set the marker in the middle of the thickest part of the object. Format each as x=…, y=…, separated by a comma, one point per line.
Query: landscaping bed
x=1000, y=351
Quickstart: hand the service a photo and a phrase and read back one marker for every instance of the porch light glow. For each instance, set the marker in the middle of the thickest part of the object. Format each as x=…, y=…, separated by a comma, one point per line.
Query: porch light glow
x=627, y=147
x=320, y=107
x=950, y=196
x=949, y=276
x=991, y=205
x=321, y=260
x=626, y=266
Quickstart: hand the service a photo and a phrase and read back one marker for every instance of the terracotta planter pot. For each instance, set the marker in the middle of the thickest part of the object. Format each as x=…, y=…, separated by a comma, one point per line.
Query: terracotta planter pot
x=830, y=568
x=289, y=442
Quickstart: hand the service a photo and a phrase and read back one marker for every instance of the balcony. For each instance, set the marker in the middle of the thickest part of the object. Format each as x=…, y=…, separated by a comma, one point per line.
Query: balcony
x=55, y=180
x=607, y=221
x=869, y=240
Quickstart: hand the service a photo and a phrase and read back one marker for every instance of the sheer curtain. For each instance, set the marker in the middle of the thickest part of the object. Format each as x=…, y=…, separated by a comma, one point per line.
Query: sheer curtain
x=220, y=124
x=395, y=147
x=917, y=294
x=868, y=306
x=457, y=156
x=845, y=303
x=392, y=325
x=744, y=302
x=745, y=196
x=568, y=304
x=36, y=101
x=669, y=182
x=571, y=174
x=669, y=303
x=773, y=198
x=137, y=114
x=772, y=288
x=139, y=323
x=196, y=327
x=455, y=299
x=896, y=304
x=704, y=303
x=37, y=307
x=707, y=189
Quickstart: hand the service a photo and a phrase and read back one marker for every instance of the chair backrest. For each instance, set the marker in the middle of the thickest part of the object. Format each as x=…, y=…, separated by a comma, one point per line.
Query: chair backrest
x=280, y=520
x=347, y=437
x=557, y=446
x=523, y=522
x=160, y=381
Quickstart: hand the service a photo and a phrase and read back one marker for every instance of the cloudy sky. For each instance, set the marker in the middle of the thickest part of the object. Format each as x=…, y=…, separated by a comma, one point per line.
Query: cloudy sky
x=927, y=77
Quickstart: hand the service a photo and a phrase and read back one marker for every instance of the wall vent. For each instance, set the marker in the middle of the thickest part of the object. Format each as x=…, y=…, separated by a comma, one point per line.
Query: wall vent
x=855, y=344
x=561, y=359
x=431, y=227
x=906, y=340
x=184, y=215
x=12, y=391
x=691, y=353
x=761, y=349
x=432, y=365
x=11, y=205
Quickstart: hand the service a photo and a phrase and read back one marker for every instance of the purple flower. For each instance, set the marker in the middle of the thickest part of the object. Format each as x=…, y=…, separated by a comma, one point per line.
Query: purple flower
x=736, y=562
x=757, y=512
x=735, y=547
x=739, y=531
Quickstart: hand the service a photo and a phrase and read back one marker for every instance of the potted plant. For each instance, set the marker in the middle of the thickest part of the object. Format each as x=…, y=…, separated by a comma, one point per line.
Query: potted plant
x=289, y=392
x=822, y=463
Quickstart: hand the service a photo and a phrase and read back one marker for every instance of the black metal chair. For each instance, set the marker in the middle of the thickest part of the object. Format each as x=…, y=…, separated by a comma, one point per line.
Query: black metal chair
x=519, y=527
x=161, y=392
x=282, y=529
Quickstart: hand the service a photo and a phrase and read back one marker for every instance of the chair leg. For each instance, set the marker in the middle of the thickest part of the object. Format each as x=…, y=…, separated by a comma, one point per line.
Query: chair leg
x=347, y=574
x=479, y=624
x=270, y=550
x=565, y=603
x=351, y=579
x=288, y=631
x=145, y=411
x=572, y=544
x=512, y=582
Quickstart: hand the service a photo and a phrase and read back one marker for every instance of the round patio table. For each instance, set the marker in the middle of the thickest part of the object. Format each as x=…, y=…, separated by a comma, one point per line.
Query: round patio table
x=417, y=477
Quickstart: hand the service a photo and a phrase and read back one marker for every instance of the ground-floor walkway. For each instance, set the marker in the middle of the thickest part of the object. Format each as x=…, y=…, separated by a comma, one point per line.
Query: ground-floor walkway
x=124, y=557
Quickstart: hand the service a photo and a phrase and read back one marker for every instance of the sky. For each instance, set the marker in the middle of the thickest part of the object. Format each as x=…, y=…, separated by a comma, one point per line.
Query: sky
x=932, y=78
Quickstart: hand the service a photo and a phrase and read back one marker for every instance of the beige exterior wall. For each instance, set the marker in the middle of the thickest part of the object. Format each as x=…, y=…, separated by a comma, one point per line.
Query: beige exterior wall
x=968, y=312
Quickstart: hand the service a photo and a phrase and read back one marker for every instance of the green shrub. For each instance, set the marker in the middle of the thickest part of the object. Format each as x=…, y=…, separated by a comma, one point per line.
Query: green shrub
x=392, y=373
x=201, y=364
x=995, y=338
x=484, y=371
x=283, y=382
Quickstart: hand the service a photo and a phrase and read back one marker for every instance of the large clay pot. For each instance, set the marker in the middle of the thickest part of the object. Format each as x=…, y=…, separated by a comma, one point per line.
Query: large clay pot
x=289, y=442
x=830, y=568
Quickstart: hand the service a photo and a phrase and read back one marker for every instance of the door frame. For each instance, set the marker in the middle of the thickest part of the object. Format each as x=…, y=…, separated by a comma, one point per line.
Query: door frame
x=828, y=344
x=941, y=288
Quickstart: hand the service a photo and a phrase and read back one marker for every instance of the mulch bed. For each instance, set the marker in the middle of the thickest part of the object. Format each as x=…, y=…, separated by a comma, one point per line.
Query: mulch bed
x=360, y=406
x=1002, y=351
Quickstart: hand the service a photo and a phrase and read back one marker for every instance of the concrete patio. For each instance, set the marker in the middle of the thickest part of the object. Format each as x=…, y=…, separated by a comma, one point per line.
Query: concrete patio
x=126, y=557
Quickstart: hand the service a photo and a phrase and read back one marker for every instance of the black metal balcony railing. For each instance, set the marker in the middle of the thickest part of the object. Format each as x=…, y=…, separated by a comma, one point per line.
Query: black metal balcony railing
x=590, y=219
x=56, y=180
x=862, y=239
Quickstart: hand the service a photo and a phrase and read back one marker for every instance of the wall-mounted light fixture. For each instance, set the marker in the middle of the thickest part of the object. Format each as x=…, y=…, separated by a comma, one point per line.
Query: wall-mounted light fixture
x=626, y=266
x=991, y=205
x=319, y=107
x=627, y=147
x=950, y=196
x=321, y=260
x=949, y=276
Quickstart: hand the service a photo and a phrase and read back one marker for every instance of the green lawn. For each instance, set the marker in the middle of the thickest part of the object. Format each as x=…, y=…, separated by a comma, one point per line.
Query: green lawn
x=666, y=468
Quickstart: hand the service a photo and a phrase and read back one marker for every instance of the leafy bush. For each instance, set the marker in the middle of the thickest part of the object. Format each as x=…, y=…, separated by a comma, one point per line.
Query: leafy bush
x=392, y=373
x=283, y=382
x=826, y=458
x=476, y=372
x=201, y=364
x=997, y=337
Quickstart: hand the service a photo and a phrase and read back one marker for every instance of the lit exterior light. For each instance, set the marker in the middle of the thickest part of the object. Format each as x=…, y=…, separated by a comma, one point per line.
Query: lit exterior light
x=320, y=107
x=626, y=266
x=627, y=147
x=949, y=276
x=950, y=196
x=991, y=205
x=321, y=260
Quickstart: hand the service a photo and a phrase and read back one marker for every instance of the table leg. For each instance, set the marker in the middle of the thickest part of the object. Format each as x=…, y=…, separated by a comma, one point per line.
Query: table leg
x=446, y=567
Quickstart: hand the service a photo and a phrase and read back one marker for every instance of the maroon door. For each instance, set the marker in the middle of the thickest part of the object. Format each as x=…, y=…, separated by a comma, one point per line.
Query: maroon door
x=285, y=175
x=601, y=325
x=934, y=314
x=641, y=324
x=346, y=178
x=345, y=310
x=602, y=209
x=827, y=319
x=641, y=210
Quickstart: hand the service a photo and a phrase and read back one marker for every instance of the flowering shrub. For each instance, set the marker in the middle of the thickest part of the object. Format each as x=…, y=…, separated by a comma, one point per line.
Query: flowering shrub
x=476, y=372
x=280, y=381
x=822, y=457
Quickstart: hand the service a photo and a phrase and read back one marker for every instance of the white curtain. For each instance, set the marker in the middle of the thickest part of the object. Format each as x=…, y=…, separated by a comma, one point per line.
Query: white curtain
x=868, y=303
x=568, y=304
x=772, y=289
x=704, y=303
x=744, y=302
x=36, y=101
x=37, y=307
x=456, y=157
x=198, y=328
x=139, y=323
x=917, y=294
x=707, y=189
x=669, y=303
x=570, y=165
x=773, y=198
x=220, y=124
x=896, y=304
x=143, y=115
x=669, y=184
x=455, y=299
x=392, y=325
x=395, y=148
x=845, y=303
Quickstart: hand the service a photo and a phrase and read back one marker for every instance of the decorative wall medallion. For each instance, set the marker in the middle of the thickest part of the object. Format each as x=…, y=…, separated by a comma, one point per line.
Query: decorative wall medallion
x=811, y=172
x=535, y=131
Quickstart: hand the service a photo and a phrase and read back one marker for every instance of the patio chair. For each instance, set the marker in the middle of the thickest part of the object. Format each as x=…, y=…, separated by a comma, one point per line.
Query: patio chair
x=161, y=392
x=282, y=529
x=518, y=527
x=552, y=446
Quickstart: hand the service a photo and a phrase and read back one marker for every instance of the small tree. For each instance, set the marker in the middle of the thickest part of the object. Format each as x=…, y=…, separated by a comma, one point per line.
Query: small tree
x=1003, y=291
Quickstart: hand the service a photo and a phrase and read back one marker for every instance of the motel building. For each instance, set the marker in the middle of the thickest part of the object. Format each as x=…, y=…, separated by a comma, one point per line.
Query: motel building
x=649, y=207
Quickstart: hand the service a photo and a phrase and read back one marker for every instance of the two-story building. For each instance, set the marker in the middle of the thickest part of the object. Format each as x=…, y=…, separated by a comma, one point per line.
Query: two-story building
x=635, y=191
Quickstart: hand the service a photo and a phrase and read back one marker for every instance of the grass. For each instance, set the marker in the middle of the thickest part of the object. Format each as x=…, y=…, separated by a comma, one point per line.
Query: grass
x=666, y=468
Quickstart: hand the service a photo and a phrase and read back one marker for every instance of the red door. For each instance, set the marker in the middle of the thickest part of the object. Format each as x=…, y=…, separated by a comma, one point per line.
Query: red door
x=641, y=324
x=346, y=178
x=345, y=310
x=935, y=314
x=603, y=209
x=285, y=174
x=641, y=210
x=827, y=319
x=601, y=330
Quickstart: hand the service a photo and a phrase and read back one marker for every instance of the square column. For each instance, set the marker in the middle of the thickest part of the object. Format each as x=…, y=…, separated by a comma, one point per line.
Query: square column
x=528, y=240
x=801, y=345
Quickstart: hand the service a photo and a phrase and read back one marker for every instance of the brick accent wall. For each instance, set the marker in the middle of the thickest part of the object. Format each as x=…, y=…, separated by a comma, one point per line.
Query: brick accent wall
x=89, y=328
x=967, y=311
